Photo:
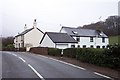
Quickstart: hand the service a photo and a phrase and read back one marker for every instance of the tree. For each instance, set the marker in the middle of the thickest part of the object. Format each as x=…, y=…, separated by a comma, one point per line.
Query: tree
x=7, y=42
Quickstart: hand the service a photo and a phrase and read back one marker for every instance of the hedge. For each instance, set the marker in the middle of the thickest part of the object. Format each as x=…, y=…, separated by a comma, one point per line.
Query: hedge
x=54, y=51
x=109, y=57
x=70, y=52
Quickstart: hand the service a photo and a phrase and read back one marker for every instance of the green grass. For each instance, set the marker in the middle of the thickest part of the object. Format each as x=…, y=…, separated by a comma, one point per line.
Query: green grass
x=114, y=39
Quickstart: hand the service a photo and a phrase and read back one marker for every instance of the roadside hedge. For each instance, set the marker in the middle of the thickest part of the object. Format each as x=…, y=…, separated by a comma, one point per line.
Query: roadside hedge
x=91, y=55
x=70, y=52
x=108, y=57
x=54, y=51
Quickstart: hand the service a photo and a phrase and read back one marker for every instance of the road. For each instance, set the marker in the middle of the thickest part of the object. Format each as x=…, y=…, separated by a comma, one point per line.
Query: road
x=28, y=65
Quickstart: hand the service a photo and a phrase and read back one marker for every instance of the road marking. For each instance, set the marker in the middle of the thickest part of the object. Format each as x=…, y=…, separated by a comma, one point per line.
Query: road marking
x=22, y=59
x=65, y=63
x=12, y=54
x=103, y=75
x=69, y=64
x=36, y=72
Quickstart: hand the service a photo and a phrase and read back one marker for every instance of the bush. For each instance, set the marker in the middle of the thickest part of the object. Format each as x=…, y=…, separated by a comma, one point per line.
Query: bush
x=90, y=55
x=54, y=51
x=113, y=55
x=101, y=57
x=70, y=52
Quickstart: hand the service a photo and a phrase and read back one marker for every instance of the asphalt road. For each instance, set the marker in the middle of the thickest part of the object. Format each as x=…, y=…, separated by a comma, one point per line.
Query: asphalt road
x=27, y=65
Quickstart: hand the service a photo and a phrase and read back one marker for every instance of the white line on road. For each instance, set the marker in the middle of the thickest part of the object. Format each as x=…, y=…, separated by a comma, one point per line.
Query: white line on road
x=102, y=75
x=36, y=72
x=69, y=64
x=14, y=55
x=22, y=59
x=65, y=63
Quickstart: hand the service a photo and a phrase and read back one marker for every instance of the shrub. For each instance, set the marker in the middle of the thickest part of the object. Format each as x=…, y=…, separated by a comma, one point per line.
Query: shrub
x=90, y=55
x=70, y=52
x=100, y=57
x=54, y=51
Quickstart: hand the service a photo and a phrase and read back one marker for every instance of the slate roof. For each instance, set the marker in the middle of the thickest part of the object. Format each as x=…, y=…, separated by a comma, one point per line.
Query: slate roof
x=26, y=31
x=59, y=37
x=83, y=32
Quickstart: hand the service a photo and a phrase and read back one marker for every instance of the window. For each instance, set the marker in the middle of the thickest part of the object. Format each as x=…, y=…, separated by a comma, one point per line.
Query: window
x=22, y=38
x=84, y=46
x=72, y=46
x=22, y=44
x=74, y=32
x=91, y=39
x=78, y=39
x=78, y=46
x=103, y=47
x=16, y=39
x=91, y=46
x=98, y=46
x=103, y=39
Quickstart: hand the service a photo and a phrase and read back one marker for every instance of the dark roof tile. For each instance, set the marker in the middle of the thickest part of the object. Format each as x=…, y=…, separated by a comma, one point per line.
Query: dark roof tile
x=83, y=32
x=60, y=37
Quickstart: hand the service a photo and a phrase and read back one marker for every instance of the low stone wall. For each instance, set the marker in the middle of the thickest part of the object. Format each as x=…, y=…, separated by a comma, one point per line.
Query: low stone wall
x=39, y=50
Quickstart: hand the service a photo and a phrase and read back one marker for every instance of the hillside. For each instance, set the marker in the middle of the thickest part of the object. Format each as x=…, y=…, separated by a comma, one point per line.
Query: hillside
x=114, y=39
x=111, y=26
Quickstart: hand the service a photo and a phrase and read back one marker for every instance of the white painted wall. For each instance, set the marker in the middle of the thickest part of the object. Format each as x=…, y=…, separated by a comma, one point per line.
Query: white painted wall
x=33, y=38
x=86, y=41
x=96, y=42
x=47, y=42
x=62, y=45
x=17, y=42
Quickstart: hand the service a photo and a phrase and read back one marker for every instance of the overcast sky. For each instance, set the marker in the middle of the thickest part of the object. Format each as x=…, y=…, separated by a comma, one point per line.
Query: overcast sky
x=51, y=13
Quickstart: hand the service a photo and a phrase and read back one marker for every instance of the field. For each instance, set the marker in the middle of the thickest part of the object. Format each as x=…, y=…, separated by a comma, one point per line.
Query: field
x=114, y=39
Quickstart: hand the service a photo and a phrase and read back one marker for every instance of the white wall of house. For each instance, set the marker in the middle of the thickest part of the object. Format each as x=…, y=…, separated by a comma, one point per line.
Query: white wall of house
x=47, y=42
x=18, y=42
x=62, y=45
x=86, y=41
x=100, y=43
x=32, y=38
x=96, y=42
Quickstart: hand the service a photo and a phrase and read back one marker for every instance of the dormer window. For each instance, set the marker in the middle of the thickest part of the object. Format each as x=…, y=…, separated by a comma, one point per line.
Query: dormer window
x=74, y=32
x=78, y=39
x=101, y=34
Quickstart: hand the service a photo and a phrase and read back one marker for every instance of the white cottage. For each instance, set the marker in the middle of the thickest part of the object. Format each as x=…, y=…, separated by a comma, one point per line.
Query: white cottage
x=29, y=37
x=57, y=40
x=87, y=37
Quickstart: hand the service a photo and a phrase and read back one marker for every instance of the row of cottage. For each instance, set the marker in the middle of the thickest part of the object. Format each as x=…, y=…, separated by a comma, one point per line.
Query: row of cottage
x=67, y=37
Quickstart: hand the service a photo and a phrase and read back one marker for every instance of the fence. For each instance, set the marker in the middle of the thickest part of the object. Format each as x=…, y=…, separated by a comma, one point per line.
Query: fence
x=39, y=50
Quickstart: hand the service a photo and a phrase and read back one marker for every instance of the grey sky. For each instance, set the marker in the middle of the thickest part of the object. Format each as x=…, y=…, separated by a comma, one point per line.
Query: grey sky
x=51, y=13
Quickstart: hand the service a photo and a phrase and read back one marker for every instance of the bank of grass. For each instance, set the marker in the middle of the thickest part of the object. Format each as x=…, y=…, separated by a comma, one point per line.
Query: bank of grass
x=114, y=39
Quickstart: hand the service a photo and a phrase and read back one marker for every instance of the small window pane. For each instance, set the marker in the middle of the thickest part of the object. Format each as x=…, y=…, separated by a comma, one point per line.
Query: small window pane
x=98, y=46
x=103, y=47
x=72, y=46
x=103, y=39
x=78, y=46
x=78, y=39
x=91, y=46
x=84, y=46
x=91, y=39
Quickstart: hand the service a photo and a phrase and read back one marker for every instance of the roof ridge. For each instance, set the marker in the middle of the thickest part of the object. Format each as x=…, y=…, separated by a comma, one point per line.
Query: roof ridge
x=77, y=28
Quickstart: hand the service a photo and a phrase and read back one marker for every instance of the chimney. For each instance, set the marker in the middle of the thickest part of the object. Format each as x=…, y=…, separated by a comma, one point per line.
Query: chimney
x=34, y=24
x=25, y=27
